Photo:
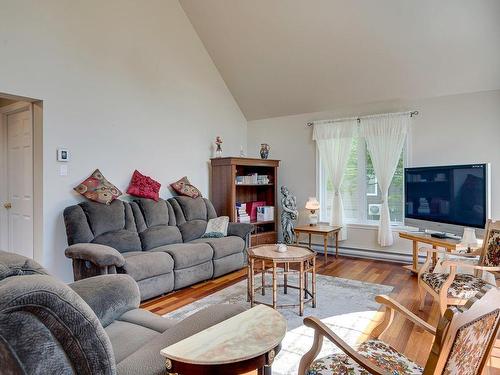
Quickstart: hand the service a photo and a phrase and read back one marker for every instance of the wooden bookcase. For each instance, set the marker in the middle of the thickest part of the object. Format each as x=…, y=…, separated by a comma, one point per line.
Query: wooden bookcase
x=224, y=192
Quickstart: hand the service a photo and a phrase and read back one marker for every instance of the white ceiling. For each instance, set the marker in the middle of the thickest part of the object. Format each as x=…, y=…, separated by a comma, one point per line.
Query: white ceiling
x=282, y=57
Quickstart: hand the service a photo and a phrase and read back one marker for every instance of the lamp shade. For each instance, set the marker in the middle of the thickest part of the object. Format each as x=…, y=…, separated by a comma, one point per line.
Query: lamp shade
x=312, y=204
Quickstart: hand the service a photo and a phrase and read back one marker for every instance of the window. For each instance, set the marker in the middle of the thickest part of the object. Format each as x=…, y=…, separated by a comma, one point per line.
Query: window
x=360, y=190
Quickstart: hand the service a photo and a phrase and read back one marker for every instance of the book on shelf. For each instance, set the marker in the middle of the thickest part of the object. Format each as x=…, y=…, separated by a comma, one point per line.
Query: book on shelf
x=241, y=213
x=253, y=179
x=252, y=209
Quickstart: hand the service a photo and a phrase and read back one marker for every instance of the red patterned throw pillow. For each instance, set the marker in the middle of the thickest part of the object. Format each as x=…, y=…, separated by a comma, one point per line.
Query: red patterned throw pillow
x=98, y=189
x=144, y=186
x=184, y=187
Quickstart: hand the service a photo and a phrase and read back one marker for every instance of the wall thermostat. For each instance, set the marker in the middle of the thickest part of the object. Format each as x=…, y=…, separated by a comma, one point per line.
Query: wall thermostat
x=62, y=154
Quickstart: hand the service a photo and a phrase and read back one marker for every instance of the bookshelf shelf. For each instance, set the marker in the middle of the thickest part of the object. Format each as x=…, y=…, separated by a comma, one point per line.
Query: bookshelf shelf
x=262, y=222
x=259, y=185
x=225, y=192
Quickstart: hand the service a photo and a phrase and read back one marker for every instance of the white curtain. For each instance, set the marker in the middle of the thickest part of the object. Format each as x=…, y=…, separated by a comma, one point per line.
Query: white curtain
x=385, y=136
x=334, y=141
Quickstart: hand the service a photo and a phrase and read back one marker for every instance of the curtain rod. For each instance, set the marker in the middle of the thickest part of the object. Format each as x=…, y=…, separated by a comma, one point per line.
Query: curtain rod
x=358, y=119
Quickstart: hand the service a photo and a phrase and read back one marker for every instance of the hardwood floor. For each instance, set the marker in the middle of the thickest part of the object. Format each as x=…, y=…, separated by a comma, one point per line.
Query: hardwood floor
x=403, y=335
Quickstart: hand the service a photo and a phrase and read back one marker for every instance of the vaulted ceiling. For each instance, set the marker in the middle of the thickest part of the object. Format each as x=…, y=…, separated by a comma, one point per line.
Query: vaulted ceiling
x=282, y=57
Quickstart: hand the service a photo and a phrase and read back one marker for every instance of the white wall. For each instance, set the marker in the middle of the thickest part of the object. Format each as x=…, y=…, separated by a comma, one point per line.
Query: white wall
x=448, y=130
x=125, y=85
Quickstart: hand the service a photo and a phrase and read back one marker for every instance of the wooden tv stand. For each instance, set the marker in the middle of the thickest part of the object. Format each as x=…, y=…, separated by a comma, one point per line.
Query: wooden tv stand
x=418, y=237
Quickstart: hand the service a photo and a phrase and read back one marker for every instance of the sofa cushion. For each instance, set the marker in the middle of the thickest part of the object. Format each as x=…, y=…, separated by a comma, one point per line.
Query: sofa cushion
x=155, y=213
x=147, y=359
x=192, y=209
x=187, y=254
x=148, y=319
x=223, y=246
x=104, y=218
x=193, y=229
x=122, y=240
x=145, y=264
x=159, y=236
x=126, y=338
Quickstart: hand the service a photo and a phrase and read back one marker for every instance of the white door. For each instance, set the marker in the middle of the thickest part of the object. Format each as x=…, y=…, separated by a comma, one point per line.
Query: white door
x=18, y=205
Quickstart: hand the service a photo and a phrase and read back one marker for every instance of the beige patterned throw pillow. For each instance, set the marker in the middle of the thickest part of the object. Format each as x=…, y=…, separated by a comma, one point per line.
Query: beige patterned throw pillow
x=217, y=227
x=98, y=189
x=184, y=187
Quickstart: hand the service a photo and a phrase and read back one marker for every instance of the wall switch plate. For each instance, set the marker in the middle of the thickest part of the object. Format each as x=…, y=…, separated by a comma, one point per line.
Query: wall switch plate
x=63, y=170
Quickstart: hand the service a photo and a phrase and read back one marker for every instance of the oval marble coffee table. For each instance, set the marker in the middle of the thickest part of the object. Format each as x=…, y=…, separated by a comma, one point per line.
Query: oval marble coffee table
x=246, y=342
x=304, y=260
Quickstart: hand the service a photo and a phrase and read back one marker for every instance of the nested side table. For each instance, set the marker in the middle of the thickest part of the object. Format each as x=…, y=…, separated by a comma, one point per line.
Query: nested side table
x=264, y=259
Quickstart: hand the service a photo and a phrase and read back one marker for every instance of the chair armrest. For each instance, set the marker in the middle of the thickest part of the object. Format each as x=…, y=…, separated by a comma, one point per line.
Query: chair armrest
x=100, y=255
x=239, y=229
x=109, y=296
x=320, y=331
x=393, y=306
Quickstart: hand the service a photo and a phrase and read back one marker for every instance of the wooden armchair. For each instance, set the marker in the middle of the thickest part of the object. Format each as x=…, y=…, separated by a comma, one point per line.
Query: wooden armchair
x=462, y=342
x=456, y=288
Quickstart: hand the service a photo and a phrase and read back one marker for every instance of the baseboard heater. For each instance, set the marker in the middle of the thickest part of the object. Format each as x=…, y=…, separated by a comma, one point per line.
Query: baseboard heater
x=365, y=253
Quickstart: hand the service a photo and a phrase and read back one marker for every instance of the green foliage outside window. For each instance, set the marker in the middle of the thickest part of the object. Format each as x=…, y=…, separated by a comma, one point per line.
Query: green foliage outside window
x=351, y=191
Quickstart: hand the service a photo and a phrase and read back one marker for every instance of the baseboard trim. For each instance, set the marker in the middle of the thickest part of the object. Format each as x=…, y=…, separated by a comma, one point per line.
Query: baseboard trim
x=365, y=253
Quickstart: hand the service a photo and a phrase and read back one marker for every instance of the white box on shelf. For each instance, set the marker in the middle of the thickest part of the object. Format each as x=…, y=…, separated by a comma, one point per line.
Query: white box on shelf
x=265, y=213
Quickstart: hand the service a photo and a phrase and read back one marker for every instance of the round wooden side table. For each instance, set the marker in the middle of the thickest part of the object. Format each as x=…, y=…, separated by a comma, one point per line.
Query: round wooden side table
x=264, y=259
x=247, y=341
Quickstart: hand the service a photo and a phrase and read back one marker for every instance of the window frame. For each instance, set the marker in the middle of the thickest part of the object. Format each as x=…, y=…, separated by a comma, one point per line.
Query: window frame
x=361, y=185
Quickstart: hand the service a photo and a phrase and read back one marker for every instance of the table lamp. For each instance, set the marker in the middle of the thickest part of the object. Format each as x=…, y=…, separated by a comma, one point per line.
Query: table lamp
x=312, y=204
x=469, y=238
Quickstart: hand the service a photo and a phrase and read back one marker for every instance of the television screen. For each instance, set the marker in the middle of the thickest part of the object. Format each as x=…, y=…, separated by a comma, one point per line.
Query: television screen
x=449, y=194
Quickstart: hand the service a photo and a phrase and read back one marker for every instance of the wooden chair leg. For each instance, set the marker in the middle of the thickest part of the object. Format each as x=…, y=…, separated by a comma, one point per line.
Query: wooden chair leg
x=421, y=295
x=442, y=307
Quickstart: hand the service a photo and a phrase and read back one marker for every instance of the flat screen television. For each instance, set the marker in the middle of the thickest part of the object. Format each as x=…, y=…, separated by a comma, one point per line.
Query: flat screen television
x=447, y=198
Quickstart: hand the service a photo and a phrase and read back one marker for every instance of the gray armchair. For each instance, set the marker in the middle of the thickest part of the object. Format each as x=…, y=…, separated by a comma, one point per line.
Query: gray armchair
x=93, y=326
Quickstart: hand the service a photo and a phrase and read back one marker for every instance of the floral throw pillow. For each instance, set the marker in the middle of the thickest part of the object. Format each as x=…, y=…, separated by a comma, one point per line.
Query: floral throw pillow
x=217, y=227
x=184, y=187
x=98, y=189
x=144, y=186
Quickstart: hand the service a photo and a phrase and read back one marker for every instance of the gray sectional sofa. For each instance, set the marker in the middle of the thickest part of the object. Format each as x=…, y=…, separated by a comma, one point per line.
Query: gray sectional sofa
x=93, y=326
x=158, y=244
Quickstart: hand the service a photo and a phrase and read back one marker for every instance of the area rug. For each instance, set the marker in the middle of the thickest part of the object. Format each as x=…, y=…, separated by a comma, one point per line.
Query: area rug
x=348, y=307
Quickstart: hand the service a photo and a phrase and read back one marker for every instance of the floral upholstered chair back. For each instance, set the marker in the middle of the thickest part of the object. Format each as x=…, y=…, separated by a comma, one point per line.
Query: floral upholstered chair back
x=465, y=336
x=490, y=256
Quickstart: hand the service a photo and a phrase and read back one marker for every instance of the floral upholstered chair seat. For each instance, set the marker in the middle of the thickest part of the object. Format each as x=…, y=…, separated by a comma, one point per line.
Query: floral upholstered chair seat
x=464, y=272
x=376, y=351
x=464, y=286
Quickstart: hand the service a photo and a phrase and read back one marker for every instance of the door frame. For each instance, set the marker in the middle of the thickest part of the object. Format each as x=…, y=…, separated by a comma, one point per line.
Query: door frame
x=5, y=111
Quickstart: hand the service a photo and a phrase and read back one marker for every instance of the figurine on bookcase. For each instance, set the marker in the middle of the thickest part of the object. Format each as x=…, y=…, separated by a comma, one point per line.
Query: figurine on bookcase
x=289, y=215
x=218, y=145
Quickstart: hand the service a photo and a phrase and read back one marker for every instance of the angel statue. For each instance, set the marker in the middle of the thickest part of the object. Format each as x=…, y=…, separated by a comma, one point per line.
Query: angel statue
x=289, y=214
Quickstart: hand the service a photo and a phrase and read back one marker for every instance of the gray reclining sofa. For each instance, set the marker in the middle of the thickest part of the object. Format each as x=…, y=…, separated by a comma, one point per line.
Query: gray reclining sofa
x=93, y=326
x=158, y=244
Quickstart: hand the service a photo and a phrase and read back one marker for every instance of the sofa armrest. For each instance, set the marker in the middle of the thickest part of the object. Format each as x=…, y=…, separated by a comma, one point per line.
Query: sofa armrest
x=100, y=255
x=91, y=260
x=109, y=296
x=239, y=229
